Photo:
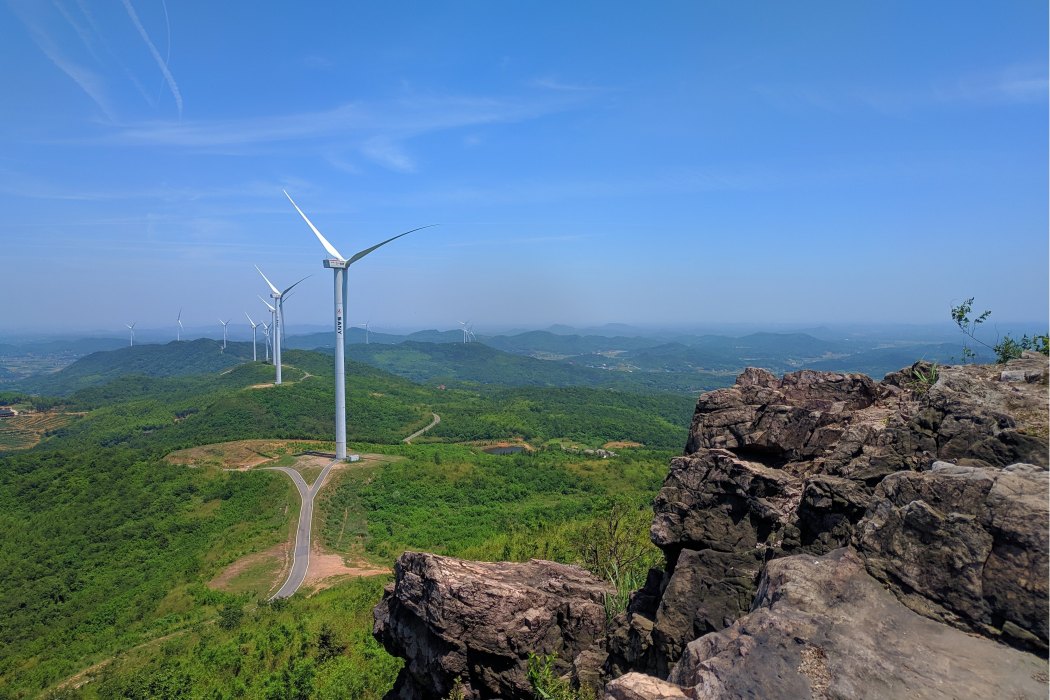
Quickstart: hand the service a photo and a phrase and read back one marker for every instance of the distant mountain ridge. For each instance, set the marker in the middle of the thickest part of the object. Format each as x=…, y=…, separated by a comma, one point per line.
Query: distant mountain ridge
x=170, y=360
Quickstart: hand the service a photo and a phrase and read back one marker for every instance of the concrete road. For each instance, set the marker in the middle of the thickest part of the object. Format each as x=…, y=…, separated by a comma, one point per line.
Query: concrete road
x=413, y=436
x=301, y=555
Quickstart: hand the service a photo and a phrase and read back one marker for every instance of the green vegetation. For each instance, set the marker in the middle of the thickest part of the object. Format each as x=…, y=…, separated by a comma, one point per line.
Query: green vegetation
x=1006, y=348
x=454, y=500
x=317, y=647
x=104, y=549
x=108, y=548
x=547, y=683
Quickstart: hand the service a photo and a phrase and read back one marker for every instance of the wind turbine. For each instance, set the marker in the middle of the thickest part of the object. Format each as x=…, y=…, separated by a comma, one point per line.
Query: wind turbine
x=365, y=326
x=254, y=325
x=131, y=327
x=465, y=327
x=178, y=333
x=269, y=329
x=266, y=332
x=338, y=264
x=278, y=321
x=224, y=324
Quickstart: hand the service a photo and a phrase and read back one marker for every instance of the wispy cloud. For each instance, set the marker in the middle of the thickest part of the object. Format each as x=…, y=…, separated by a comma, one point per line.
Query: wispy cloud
x=388, y=154
x=1027, y=83
x=90, y=82
x=402, y=118
x=378, y=130
x=21, y=184
x=70, y=37
x=552, y=83
x=161, y=63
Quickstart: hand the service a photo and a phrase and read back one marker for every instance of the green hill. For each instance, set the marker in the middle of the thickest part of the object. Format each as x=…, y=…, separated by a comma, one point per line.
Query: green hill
x=171, y=360
x=105, y=546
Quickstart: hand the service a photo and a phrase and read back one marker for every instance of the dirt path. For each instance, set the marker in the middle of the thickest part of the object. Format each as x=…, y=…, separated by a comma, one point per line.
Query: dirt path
x=413, y=436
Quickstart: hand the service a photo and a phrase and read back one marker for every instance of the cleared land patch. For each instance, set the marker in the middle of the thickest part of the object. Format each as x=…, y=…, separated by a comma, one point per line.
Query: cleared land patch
x=260, y=572
x=27, y=429
x=240, y=454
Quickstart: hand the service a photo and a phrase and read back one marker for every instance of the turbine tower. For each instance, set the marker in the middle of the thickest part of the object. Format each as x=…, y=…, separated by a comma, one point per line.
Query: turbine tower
x=339, y=265
x=268, y=329
x=278, y=320
x=254, y=325
x=131, y=327
x=224, y=324
x=178, y=333
x=365, y=326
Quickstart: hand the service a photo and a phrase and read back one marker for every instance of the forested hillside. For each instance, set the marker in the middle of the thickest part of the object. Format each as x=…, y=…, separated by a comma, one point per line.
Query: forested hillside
x=107, y=546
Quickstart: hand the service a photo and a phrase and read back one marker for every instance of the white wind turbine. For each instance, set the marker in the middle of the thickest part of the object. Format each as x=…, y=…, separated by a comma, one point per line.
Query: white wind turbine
x=278, y=320
x=468, y=335
x=338, y=264
x=131, y=327
x=266, y=333
x=254, y=325
x=178, y=333
x=365, y=326
x=224, y=324
x=269, y=329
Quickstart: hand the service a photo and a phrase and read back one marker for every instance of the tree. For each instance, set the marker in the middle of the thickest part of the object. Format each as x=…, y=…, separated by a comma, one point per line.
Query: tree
x=1005, y=349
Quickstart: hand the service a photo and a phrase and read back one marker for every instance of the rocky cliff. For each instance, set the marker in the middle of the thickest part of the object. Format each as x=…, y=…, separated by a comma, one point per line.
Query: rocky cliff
x=825, y=536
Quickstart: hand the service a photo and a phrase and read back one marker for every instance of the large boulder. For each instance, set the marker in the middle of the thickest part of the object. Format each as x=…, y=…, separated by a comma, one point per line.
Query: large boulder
x=478, y=622
x=966, y=545
x=821, y=627
x=781, y=466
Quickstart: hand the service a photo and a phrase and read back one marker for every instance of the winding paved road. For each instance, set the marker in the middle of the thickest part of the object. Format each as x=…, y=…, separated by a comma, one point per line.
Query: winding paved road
x=301, y=555
x=413, y=436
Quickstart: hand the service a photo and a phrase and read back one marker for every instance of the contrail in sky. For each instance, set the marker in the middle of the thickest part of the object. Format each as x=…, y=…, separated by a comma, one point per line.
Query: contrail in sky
x=156, y=54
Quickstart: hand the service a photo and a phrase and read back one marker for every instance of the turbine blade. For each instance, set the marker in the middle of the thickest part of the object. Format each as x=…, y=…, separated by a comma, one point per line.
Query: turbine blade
x=290, y=288
x=179, y=319
x=324, y=241
x=268, y=281
x=250, y=319
x=267, y=304
x=366, y=251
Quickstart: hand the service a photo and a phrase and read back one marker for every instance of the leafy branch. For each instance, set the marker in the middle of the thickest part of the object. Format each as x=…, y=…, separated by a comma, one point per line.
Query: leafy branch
x=1005, y=349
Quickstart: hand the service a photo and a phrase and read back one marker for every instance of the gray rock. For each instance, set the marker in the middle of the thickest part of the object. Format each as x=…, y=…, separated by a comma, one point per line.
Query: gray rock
x=478, y=621
x=966, y=545
x=777, y=466
x=638, y=686
x=715, y=500
x=821, y=627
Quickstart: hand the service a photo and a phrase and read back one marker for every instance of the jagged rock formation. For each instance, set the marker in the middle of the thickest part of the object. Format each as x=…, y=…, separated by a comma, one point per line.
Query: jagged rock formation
x=776, y=467
x=821, y=627
x=825, y=536
x=477, y=622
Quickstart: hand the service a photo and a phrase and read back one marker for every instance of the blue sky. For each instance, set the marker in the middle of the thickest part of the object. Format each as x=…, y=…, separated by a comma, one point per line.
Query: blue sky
x=669, y=163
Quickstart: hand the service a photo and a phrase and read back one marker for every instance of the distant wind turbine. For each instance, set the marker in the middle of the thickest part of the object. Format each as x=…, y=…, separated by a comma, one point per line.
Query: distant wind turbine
x=254, y=325
x=278, y=320
x=269, y=329
x=338, y=264
x=266, y=332
x=224, y=324
x=468, y=334
x=365, y=326
x=131, y=327
x=178, y=333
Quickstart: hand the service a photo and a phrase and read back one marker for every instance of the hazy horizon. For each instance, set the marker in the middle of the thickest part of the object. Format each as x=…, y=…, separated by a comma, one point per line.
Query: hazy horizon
x=689, y=164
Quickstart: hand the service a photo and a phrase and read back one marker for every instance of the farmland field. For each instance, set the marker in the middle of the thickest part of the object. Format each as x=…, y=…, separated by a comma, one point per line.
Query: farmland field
x=26, y=429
